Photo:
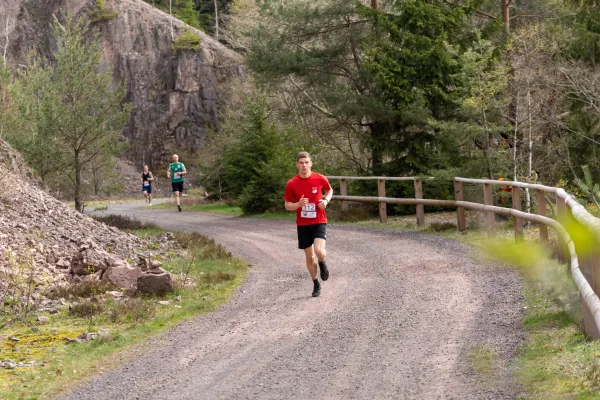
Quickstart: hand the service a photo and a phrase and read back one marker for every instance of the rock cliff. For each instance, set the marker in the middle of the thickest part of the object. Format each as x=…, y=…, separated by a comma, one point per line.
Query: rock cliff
x=175, y=97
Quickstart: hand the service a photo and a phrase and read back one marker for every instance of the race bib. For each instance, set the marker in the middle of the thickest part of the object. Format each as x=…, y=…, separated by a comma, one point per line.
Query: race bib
x=177, y=175
x=146, y=183
x=309, y=211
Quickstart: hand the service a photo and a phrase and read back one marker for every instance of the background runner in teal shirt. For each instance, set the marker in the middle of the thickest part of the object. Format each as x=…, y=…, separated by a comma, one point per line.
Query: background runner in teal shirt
x=175, y=172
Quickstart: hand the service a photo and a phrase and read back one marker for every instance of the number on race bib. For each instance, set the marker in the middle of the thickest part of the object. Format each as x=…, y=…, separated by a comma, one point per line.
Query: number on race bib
x=309, y=211
x=177, y=175
x=146, y=183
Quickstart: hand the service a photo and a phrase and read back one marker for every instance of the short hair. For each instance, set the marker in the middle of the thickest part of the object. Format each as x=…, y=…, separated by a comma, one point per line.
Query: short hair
x=145, y=165
x=303, y=154
x=175, y=155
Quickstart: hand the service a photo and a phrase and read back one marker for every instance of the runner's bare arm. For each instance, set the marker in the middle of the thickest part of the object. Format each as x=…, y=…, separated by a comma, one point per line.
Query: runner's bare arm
x=324, y=202
x=291, y=206
x=150, y=178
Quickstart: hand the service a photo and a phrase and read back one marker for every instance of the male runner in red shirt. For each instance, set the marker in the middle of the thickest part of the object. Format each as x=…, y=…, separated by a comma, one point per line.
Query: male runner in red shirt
x=304, y=194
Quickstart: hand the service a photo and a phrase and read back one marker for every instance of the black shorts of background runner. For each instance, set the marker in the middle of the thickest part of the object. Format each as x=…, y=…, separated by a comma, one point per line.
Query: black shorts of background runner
x=147, y=189
x=308, y=233
x=177, y=186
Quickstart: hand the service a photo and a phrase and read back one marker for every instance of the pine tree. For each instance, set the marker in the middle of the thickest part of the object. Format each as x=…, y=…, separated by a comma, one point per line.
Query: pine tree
x=73, y=113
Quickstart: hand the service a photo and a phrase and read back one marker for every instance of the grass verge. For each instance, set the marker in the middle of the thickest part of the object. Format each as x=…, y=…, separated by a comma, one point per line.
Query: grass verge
x=206, y=274
x=226, y=209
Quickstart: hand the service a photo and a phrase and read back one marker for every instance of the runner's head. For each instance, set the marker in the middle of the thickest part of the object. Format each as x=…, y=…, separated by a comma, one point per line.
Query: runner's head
x=145, y=168
x=175, y=158
x=303, y=163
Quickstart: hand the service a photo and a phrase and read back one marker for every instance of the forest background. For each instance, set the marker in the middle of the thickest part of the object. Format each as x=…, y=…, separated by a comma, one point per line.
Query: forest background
x=475, y=88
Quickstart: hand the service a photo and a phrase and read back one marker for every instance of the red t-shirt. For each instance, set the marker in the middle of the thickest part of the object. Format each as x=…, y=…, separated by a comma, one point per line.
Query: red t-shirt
x=312, y=189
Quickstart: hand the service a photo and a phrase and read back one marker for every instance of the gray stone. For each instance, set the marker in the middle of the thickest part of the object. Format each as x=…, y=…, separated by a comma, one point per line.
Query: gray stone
x=42, y=319
x=155, y=283
x=124, y=277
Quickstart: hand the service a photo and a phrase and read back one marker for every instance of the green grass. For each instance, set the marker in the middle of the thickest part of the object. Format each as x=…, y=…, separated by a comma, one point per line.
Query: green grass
x=212, y=276
x=227, y=209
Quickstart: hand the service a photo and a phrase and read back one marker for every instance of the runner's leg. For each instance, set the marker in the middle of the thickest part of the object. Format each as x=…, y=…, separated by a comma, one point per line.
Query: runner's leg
x=320, y=249
x=321, y=254
x=310, y=262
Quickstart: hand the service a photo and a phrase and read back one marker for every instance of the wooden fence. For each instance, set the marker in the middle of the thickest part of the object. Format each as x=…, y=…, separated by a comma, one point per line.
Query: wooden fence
x=585, y=266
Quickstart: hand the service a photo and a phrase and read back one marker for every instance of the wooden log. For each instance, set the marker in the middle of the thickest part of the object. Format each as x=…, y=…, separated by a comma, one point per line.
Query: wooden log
x=382, y=204
x=489, y=201
x=420, y=207
x=541, y=210
x=516, y=205
x=460, y=211
x=344, y=192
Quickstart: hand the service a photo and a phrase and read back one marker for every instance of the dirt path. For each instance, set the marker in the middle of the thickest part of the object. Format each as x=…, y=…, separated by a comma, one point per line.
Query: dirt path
x=398, y=319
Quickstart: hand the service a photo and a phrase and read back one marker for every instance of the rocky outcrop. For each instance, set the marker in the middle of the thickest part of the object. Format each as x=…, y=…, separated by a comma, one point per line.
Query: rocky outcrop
x=175, y=97
x=47, y=244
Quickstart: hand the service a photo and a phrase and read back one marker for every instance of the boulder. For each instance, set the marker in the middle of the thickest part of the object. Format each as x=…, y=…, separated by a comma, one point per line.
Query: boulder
x=124, y=277
x=155, y=283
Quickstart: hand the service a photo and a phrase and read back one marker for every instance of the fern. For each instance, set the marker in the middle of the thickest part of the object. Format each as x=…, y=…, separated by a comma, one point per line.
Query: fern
x=589, y=189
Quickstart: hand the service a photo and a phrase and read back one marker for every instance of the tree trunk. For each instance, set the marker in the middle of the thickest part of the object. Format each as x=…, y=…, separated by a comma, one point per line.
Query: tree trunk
x=529, y=149
x=216, y=20
x=375, y=4
x=171, y=21
x=515, y=140
x=78, y=202
x=376, y=154
x=506, y=15
x=489, y=155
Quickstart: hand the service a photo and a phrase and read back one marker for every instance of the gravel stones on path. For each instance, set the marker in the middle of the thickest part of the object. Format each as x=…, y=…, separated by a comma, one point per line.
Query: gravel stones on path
x=398, y=319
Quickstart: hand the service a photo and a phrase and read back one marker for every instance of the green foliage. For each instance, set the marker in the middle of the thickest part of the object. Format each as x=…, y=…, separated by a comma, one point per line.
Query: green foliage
x=187, y=40
x=587, y=187
x=70, y=113
x=257, y=163
x=196, y=13
x=258, y=166
x=100, y=13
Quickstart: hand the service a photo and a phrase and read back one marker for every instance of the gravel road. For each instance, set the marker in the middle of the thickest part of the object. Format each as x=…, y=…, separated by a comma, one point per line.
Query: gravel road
x=402, y=317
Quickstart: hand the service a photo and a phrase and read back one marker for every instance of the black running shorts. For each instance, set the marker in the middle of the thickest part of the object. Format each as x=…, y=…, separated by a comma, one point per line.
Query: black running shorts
x=308, y=233
x=177, y=186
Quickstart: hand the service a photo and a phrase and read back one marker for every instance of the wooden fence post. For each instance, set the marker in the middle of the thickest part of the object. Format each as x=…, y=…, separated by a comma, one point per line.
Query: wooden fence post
x=420, y=207
x=382, y=205
x=541, y=210
x=488, y=197
x=516, y=205
x=344, y=192
x=563, y=217
x=460, y=211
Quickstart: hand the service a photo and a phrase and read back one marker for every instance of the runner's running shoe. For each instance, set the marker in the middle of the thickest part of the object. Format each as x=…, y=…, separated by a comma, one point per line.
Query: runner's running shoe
x=324, y=270
x=179, y=208
x=317, y=288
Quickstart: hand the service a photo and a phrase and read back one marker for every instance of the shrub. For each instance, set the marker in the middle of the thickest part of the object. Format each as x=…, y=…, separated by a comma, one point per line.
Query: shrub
x=124, y=222
x=442, y=226
x=79, y=290
x=86, y=309
x=131, y=310
x=187, y=40
x=100, y=13
x=203, y=247
x=217, y=277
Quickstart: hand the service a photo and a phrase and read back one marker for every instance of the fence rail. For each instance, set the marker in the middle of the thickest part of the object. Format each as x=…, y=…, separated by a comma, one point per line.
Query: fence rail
x=585, y=266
